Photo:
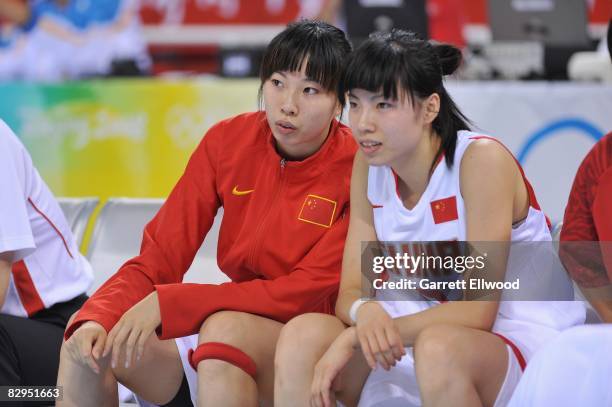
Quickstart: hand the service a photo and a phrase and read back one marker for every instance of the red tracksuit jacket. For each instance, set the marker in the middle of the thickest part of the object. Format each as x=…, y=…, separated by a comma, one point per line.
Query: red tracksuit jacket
x=281, y=244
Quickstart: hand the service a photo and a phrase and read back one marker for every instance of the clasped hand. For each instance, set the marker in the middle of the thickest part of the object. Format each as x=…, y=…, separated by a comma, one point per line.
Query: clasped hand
x=378, y=337
x=90, y=342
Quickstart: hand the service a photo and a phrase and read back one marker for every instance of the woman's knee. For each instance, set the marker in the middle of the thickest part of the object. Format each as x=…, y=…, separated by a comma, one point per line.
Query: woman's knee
x=66, y=356
x=441, y=347
x=73, y=360
x=157, y=376
x=242, y=340
x=306, y=337
x=230, y=327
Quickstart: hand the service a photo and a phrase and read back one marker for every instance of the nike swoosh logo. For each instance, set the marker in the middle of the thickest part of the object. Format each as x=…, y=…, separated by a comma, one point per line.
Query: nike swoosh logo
x=240, y=193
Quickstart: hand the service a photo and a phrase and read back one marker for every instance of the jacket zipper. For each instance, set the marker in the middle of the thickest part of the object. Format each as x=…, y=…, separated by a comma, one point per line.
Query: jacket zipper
x=260, y=227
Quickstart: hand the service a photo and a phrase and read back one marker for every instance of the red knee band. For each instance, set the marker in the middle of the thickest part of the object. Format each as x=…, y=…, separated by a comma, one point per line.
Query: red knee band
x=224, y=352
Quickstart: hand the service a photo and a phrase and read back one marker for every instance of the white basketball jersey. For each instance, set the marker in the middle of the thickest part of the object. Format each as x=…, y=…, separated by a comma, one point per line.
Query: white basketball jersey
x=48, y=267
x=439, y=215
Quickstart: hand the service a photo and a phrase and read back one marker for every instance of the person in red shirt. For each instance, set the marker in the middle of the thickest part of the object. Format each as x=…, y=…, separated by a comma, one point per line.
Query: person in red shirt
x=587, y=221
x=282, y=177
x=575, y=368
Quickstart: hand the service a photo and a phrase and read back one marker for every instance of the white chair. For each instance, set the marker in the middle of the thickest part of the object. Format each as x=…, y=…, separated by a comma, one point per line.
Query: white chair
x=118, y=234
x=77, y=212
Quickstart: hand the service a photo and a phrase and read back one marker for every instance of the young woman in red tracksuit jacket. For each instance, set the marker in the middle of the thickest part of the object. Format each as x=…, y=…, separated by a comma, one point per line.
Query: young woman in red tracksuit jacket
x=282, y=177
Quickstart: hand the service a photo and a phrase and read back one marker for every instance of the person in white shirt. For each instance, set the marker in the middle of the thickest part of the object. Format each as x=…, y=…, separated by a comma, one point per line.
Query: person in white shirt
x=43, y=277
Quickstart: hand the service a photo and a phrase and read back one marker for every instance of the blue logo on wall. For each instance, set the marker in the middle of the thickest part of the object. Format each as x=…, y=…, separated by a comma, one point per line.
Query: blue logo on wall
x=553, y=129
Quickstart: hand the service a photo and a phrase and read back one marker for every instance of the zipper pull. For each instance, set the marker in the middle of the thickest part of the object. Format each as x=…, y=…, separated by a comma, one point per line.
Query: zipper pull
x=283, y=162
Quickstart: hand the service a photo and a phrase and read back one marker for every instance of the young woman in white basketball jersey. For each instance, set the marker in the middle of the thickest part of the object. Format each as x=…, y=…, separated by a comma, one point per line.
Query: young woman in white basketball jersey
x=421, y=175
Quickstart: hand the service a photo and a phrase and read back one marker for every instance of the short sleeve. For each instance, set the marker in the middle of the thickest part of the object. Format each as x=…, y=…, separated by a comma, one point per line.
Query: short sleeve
x=15, y=231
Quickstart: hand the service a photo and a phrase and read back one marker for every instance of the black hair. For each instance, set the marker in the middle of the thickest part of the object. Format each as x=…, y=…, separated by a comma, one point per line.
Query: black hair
x=399, y=61
x=324, y=47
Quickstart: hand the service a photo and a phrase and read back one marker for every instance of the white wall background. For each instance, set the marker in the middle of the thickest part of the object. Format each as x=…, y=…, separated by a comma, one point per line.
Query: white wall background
x=515, y=112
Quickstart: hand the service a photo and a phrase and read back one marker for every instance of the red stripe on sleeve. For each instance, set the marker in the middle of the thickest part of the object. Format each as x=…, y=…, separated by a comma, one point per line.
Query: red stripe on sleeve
x=25, y=287
x=52, y=225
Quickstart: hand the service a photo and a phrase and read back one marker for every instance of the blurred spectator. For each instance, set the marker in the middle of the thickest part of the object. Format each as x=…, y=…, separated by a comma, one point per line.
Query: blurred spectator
x=69, y=39
x=593, y=65
x=325, y=10
x=13, y=15
x=14, y=11
x=198, y=12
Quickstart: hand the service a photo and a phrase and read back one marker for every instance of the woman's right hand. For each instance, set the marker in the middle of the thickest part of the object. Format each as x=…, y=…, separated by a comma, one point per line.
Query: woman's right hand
x=86, y=344
x=378, y=336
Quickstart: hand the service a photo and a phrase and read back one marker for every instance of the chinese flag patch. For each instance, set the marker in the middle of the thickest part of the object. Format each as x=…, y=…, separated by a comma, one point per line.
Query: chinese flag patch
x=444, y=210
x=318, y=211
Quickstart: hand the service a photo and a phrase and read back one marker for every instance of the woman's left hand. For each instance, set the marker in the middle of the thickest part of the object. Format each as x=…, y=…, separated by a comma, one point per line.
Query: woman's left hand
x=133, y=330
x=325, y=380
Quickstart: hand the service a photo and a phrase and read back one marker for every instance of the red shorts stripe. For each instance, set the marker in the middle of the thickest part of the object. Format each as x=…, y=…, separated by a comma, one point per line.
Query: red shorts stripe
x=515, y=350
x=25, y=288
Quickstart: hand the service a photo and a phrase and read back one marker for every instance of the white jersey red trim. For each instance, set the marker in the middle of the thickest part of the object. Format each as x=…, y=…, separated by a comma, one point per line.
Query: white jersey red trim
x=47, y=266
x=439, y=215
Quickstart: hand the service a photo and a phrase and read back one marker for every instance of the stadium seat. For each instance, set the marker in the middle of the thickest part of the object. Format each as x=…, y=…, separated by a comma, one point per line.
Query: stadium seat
x=556, y=231
x=77, y=212
x=118, y=233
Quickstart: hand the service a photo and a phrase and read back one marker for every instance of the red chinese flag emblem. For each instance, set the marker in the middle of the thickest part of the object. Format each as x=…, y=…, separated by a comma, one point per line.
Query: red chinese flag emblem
x=318, y=211
x=444, y=210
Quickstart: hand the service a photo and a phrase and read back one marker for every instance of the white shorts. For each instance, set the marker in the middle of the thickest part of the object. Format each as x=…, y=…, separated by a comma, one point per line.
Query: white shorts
x=575, y=369
x=398, y=387
x=184, y=344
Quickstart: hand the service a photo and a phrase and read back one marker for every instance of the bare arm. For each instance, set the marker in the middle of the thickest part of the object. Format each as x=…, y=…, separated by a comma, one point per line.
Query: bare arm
x=5, y=273
x=361, y=229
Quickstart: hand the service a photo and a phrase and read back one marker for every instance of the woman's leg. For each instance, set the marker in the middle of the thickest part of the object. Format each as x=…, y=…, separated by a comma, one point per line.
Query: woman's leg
x=303, y=341
x=30, y=347
x=29, y=351
x=156, y=377
x=223, y=384
x=459, y=366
